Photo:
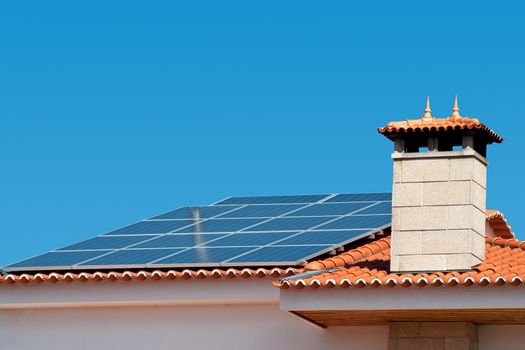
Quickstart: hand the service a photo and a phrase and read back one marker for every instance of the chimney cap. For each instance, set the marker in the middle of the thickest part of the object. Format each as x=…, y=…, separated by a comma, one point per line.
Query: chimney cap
x=428, y=124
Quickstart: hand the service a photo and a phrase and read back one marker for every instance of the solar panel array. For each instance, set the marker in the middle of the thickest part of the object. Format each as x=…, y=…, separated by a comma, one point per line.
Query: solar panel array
x=237, y=231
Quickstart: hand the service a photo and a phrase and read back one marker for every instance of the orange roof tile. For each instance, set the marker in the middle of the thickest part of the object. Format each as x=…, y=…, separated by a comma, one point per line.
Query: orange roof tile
x=148, y=275
x=499, y=224
x=438, y=124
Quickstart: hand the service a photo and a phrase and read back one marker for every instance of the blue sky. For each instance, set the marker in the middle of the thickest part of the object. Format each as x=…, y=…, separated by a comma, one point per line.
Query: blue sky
x=112, y=111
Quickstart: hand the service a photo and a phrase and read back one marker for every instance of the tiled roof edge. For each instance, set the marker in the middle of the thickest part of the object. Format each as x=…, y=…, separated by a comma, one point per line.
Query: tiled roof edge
x=148, y=275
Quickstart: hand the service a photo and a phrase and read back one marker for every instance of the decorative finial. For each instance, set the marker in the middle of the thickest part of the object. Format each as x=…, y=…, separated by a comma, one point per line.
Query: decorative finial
x=428, y=115
x=455, y=109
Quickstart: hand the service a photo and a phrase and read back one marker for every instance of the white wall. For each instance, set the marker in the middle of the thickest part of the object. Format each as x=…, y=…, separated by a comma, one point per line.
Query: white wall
x=207, y=327
x=193, y=314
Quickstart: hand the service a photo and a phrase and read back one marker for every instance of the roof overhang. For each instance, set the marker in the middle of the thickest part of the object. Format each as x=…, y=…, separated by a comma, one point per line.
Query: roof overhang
x=376, y=306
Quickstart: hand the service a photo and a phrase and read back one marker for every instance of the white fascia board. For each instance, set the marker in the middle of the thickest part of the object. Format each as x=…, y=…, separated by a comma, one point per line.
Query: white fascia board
x=399, y=298
x=137, y=293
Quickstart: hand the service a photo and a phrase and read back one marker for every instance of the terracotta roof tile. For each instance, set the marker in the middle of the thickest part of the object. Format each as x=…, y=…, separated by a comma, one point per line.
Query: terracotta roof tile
x=148, y=275
x=438, y=124
x=499, y=224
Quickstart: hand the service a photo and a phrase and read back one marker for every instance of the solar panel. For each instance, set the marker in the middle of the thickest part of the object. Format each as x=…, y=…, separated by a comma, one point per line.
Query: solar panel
x=152, y=227
x=197, y=213
x=109, y=242
x=252, y=239
x=198, y=256
x=130, y=257
x=220, y=225
x=331, y=209
x=279, y=253
x=285, y=224
x=358, y=221
x=176, y=241
x=60, y=259
x=262, y=211
x=360, y=197
x=274, y=199
x=237, y=231
x=323, y=237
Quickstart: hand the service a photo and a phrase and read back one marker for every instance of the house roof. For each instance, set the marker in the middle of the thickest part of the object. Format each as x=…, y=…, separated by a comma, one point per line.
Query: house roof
x=369, y=265
x=425, y=124
x=364, y=263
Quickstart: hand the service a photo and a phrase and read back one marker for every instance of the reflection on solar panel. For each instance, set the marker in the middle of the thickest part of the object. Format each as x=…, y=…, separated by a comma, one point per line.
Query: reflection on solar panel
x=237, y=231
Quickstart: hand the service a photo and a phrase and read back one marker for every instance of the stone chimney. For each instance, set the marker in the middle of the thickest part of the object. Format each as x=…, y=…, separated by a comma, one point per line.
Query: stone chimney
x=439, y=192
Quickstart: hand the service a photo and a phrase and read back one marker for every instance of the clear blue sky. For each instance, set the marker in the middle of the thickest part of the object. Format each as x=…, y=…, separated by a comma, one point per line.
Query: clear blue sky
x=112, y=111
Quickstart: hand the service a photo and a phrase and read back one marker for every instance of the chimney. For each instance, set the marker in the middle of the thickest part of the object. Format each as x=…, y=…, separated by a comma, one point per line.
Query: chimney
x=439, y=192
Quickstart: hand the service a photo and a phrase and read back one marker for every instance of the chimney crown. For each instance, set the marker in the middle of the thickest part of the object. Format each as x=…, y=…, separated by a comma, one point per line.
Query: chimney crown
x=428, y=124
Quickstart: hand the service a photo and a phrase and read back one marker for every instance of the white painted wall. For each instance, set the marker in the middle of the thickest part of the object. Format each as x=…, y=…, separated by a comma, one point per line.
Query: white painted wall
x=194, y=314
x=207, y=327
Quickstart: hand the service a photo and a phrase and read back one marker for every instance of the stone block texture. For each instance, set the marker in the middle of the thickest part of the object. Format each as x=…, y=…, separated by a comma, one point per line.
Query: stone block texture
x=438, y=212
x=433, y=335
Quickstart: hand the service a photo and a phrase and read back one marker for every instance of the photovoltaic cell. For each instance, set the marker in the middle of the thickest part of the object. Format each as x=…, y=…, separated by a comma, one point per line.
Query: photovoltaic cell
x=250, y=239
x=273, y=199
x=196, y=213
x=110, y=242
x=379, y=208
x=262, y=211
x=220, y=225
x=151, y=227
x=131, y=257
x=360, y=197
x=285, y=224
x=322, y=237
x=275, y=254
x=179, y=240
x=59, y=259
x=333, y=209
x=358, y=222
x=203, y=255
